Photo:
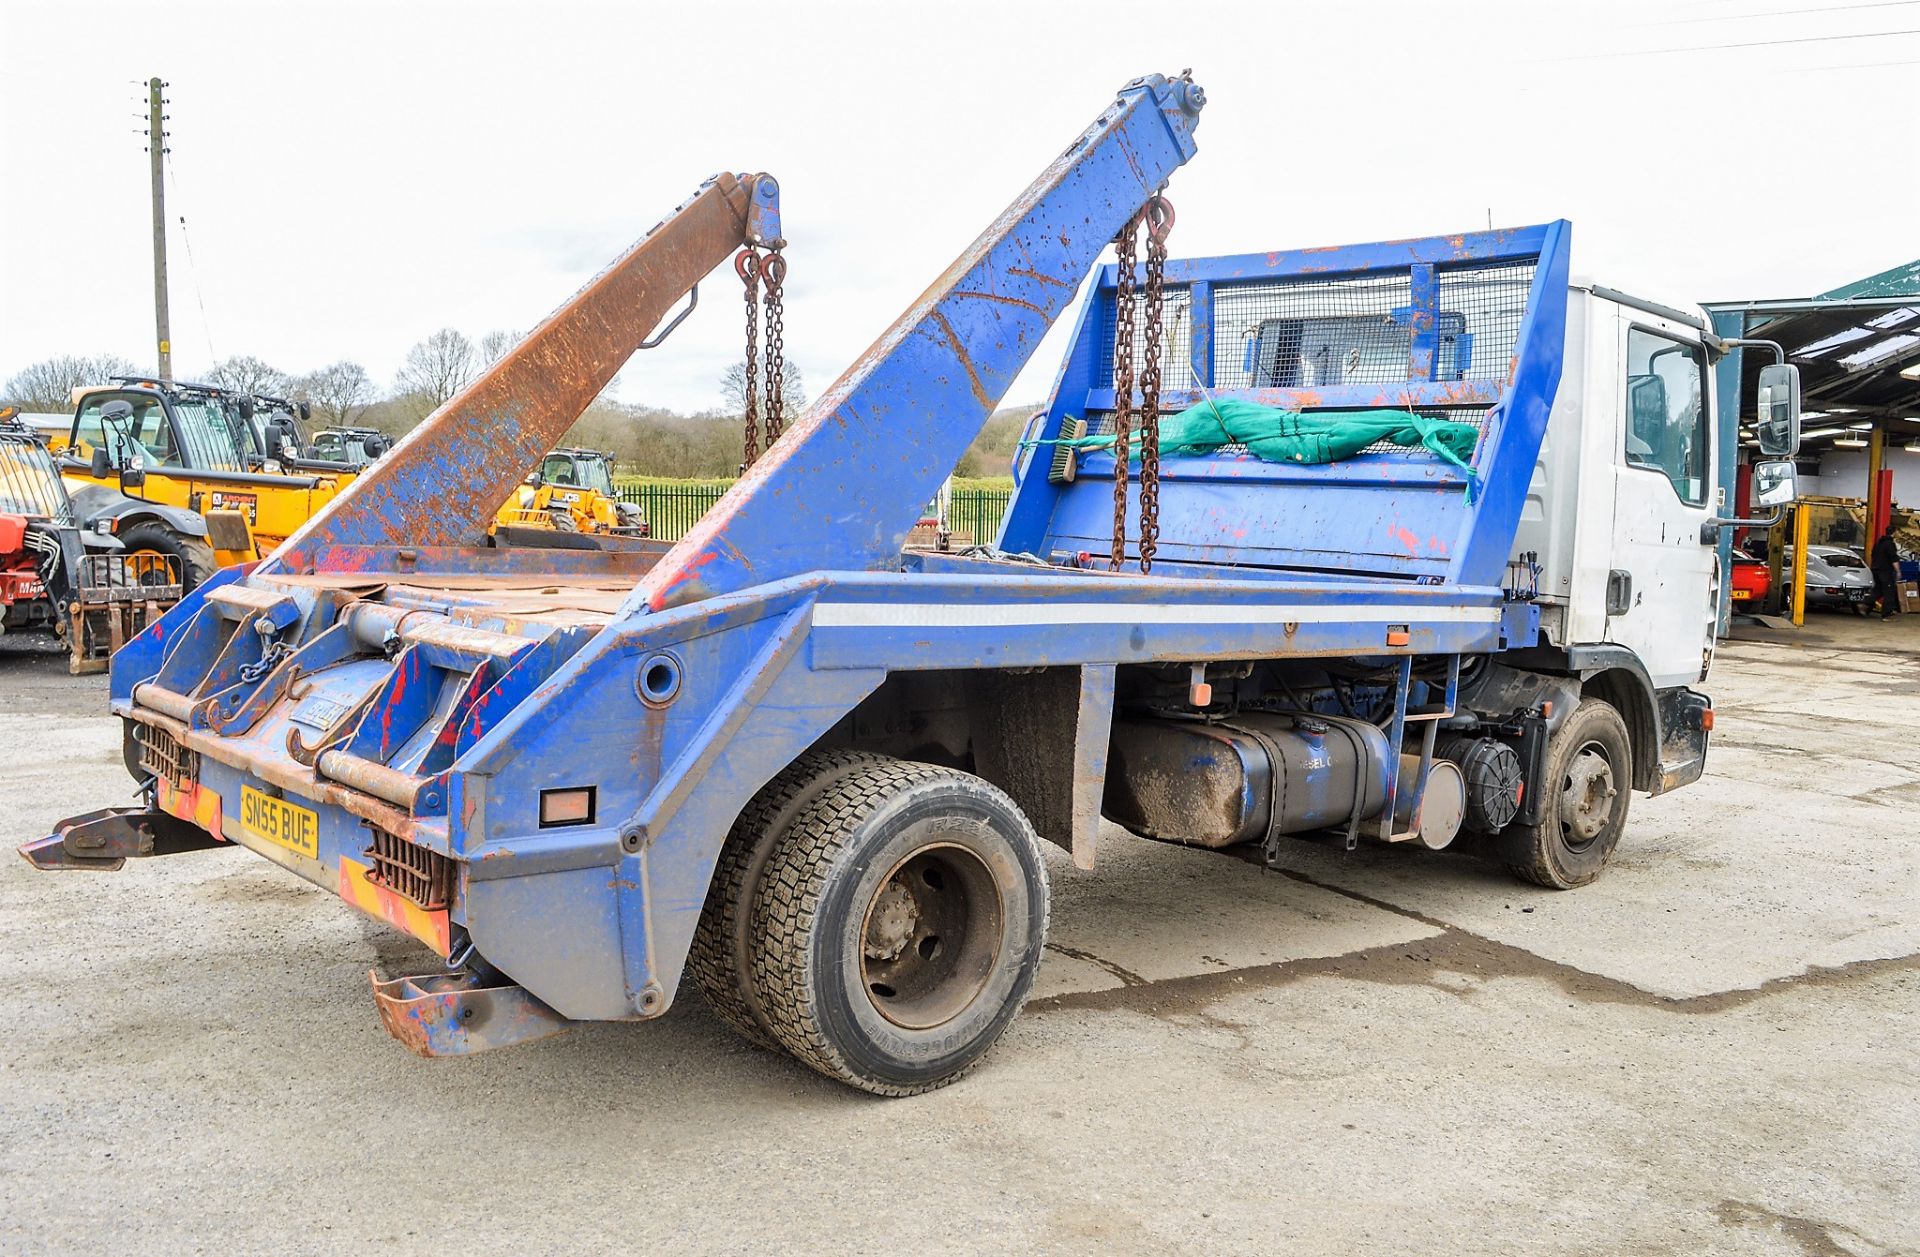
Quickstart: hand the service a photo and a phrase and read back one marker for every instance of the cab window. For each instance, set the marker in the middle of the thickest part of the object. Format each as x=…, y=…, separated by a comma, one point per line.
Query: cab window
x=558, y=469
x=147, y=429
x=1666, y=411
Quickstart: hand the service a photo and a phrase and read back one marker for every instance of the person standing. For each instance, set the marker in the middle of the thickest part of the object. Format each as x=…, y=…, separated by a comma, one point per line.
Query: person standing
x=1885, y=562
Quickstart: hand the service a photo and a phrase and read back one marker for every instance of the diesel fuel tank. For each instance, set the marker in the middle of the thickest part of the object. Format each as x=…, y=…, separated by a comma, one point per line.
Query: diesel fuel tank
x=1215, y=783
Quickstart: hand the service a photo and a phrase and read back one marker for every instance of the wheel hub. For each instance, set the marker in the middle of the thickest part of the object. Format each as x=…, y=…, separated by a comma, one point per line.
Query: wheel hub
x=890, y=927
x=932, y=936
x=1586, y=801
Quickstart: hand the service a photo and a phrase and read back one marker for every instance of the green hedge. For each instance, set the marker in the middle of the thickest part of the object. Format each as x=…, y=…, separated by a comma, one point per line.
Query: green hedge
x=673, y=506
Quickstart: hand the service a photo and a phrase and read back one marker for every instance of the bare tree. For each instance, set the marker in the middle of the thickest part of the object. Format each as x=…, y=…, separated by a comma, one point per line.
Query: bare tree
x=244, y=373
x=495, y=344
x=340, y=392
x=436, y=369
x=793, y=390
x=49, y=385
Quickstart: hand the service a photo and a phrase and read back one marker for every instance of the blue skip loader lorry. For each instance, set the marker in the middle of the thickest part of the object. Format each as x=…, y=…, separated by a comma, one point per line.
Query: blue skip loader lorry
x=813, y=771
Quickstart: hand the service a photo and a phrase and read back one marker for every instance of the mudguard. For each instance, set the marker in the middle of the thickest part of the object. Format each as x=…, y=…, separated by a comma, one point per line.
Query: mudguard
x=95, y=502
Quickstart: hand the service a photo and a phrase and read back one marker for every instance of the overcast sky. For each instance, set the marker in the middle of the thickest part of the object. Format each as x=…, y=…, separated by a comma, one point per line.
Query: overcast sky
x=354, y=176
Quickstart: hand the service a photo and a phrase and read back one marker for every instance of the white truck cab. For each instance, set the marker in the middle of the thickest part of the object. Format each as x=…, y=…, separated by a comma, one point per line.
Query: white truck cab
x=1619, y=512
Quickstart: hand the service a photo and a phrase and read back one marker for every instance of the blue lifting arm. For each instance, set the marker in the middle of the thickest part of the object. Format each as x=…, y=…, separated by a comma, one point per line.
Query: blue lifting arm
x=845, y=485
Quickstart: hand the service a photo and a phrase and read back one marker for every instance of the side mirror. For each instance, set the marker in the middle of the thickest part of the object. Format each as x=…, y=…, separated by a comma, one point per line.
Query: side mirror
x=116, y=412
x=1773, y=483
x=133, y=477
x=99, y=465
x=1776, y=423
x=246, y=407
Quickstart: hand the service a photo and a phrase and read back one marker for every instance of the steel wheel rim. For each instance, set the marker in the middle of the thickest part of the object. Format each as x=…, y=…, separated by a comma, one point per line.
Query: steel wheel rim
x=931, y=936
x=147, y=577
x=1587, y=792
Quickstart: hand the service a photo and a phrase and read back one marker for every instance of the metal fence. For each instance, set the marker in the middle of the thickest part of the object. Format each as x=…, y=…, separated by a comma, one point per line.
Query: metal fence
x=671, y=509
x=974, y=515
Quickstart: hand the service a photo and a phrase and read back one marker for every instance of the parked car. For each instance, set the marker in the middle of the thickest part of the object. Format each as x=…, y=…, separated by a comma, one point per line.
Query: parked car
x=1751, y=581
x=1837, y=577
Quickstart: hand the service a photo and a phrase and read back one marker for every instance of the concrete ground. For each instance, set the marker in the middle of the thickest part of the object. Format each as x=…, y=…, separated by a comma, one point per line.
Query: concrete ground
x=1712, y=1050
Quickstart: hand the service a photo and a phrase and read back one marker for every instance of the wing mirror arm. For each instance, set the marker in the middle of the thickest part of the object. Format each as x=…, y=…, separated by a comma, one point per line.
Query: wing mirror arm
x=1710, y=531
x=1773, y=485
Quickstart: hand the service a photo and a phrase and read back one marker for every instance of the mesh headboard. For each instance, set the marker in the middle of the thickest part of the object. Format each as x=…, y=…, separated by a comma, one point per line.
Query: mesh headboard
x=1467, y=328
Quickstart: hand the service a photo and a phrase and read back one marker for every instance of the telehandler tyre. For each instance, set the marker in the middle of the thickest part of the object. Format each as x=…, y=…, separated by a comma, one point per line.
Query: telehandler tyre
x=721, y=960
x=899, y=926
x=192, y=556
x=1588, y=782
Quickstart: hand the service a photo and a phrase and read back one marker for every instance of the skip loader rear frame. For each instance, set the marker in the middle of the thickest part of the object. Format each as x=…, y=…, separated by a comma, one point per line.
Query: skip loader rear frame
x=813, y=772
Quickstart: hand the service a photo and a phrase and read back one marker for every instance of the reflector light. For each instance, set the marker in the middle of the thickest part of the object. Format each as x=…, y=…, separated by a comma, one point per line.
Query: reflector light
x=566, y=807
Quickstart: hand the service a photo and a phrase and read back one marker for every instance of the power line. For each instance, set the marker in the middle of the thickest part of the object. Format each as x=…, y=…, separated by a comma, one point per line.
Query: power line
x=1755, y=43
x=193, y=267
x=1864, y=65
x=1750, y=17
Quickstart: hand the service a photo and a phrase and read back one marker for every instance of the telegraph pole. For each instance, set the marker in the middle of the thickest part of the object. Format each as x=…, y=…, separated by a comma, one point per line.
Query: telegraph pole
x=156, y=152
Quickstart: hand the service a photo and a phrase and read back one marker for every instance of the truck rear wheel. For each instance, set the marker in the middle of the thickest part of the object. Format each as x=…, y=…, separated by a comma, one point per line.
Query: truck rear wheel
x=192, y=557
x=899, y=926
x=721, y=960
x=1588, y=783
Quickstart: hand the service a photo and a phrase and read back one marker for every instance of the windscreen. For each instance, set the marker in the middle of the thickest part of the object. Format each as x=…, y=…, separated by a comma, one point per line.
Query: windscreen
x=29, y=482
x=211, y=435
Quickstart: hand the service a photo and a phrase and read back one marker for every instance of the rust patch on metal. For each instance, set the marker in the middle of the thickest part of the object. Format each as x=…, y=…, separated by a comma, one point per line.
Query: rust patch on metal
x=959, y=348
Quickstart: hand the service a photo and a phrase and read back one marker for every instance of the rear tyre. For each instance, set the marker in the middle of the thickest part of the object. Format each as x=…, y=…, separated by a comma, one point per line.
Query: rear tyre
x=192, y=556
x=899, y=926
x=1588, y=783
x=721, y=960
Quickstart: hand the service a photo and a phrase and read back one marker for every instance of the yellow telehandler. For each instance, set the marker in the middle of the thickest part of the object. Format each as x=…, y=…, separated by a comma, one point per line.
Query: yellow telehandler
x=168, y=467
x=573, y=491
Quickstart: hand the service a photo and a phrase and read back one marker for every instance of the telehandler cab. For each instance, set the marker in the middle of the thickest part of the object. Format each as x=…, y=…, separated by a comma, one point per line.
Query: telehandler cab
x=166, y=467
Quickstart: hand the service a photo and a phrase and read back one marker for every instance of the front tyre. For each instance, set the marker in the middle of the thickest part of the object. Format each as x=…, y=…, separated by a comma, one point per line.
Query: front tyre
x=191, y=557
x=1588, y=782
x=899, y=926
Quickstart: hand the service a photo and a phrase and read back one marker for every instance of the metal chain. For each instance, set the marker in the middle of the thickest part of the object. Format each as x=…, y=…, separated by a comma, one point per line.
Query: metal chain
x=774, y=269
x=746, y=264
x=1122, y=385
x=1158, y=216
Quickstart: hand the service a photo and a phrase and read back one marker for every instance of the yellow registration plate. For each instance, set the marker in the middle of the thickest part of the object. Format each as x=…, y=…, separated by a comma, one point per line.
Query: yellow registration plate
x=279, y=822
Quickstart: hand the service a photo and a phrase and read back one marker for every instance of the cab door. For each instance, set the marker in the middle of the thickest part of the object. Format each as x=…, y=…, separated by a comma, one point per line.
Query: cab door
x=1662, y=589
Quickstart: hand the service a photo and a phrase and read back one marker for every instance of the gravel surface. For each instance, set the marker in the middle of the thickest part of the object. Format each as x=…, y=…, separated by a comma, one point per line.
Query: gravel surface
x=1711, y=1050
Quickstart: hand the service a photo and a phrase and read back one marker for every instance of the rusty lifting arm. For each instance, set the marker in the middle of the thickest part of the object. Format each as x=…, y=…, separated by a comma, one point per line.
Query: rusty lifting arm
x=442, y=483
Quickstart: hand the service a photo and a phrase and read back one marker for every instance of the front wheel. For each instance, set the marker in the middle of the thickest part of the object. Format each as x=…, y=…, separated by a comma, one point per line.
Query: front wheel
x=191, y=557
x=1588, y=782
x=899, y=926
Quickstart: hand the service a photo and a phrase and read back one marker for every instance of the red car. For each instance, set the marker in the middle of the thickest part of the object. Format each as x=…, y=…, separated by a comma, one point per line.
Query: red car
x=1751, y=581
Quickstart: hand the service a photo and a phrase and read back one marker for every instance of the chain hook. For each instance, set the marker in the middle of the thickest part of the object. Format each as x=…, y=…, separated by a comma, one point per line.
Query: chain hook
x=746, y=264
x=1159, y=215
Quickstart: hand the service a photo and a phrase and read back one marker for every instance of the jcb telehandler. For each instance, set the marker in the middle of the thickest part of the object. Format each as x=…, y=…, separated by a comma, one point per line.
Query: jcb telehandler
x=165, y=465
x=573, y=491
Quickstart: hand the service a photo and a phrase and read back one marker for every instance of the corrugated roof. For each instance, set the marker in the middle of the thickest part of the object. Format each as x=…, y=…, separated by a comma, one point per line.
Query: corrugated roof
x=1852, y=343
x=1896, y=281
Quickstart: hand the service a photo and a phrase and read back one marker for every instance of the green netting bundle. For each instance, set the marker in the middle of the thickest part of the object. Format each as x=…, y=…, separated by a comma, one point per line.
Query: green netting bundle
x=1291, y=436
